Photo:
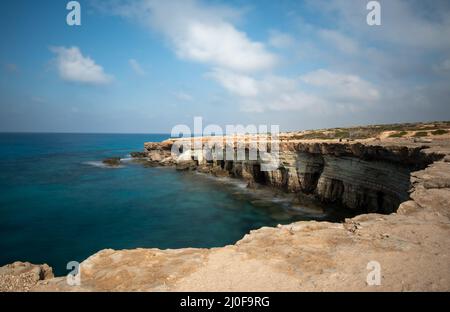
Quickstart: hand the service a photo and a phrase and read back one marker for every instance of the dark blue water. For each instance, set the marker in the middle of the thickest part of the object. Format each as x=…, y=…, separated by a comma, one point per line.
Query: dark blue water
x=57, y=204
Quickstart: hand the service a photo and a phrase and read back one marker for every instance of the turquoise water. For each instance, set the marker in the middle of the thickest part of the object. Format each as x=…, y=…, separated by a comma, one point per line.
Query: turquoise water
x=58, y=204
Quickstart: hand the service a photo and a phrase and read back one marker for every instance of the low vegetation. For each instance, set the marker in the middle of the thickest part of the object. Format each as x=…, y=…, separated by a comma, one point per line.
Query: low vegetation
x=355, y=133
x=398, y=134
x=439, y=132
x=420, y=134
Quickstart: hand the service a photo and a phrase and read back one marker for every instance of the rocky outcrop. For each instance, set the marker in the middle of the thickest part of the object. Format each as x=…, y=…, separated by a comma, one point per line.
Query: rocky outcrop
x=362, y=177
x=112, y=162
x=160, y=153
x=23, y=276
x=138, y=155
x=410, y=247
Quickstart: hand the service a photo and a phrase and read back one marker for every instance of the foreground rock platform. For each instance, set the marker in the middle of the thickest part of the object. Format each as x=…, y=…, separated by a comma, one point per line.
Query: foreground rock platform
x=411, y=245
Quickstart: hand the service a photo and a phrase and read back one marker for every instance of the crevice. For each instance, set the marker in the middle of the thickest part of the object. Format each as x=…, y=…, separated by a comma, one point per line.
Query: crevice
x=362, y=178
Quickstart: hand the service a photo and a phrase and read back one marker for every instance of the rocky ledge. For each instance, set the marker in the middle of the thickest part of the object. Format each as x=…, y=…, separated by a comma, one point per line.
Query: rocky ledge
x=409, y=237
x=364, y=176
x=23, y=276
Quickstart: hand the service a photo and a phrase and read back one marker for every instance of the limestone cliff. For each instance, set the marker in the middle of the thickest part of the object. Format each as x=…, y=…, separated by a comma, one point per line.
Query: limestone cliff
x=362, y=177
x=411, y=244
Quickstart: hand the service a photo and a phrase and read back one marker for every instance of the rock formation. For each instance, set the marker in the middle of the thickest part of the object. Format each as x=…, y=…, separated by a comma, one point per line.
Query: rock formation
x=362, y=177
x=23, y=276
x=112, y=162
x=406, y=182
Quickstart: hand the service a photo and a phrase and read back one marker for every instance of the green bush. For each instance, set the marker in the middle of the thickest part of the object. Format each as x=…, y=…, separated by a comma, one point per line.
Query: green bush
x=421, y=134
x=439, y=132
x=313, y=135
x=398, y=134
x=342, y=134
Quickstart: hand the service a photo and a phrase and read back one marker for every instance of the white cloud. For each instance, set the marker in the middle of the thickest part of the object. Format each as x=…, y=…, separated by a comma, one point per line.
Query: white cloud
x=237, y=84
x=316, y=91
x=136, y=67
x=205, y=33
x=202, y=33
x=418, y=24
x=342, y=87
x=224, y=46
x=73, y=66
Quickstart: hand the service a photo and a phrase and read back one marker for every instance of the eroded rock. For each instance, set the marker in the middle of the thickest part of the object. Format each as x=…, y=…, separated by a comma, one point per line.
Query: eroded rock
x=112, y=162
x=411, y=245
x=23, y=276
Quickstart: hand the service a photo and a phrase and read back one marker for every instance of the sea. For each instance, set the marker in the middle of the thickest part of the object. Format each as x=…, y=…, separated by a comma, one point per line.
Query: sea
x=59, y=203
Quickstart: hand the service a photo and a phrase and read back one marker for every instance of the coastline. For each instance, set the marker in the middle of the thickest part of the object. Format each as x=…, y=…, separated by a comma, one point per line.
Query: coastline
x=412, y=245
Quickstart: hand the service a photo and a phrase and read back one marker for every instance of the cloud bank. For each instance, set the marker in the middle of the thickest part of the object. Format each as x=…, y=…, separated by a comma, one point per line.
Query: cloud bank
x=201, y=33
x=74, y=67
x=343, y=65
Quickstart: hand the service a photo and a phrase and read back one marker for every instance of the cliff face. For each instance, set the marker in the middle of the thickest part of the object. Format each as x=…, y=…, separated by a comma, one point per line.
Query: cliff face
x=365, y=178
x=411, y=245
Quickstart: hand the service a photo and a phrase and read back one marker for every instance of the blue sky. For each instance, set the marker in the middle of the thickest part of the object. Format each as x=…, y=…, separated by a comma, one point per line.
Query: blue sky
x=148, y=65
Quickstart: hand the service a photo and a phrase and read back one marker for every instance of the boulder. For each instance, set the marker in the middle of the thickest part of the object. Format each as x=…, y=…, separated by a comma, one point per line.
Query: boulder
x=186, y=165
x=204, y=168
x=112, y=162
x=219, y=172
x=23, y=276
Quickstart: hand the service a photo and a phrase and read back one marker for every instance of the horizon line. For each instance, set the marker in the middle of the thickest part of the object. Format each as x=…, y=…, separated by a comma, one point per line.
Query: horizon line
x=57, y=132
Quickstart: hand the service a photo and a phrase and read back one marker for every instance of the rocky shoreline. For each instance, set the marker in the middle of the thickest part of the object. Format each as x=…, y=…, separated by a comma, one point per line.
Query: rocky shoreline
x=399, y=186
x=362, y=176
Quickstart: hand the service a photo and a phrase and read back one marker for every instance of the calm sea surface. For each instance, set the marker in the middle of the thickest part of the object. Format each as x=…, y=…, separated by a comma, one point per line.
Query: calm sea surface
x=59, y=204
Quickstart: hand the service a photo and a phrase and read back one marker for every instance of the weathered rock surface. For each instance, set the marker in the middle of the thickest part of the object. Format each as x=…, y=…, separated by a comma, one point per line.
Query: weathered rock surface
x=411, y=244
x=360, y=175
x=413, y=253
x=138, y=155
x=23, y=276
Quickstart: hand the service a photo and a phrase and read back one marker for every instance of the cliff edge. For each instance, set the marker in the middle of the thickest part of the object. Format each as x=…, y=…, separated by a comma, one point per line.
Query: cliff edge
x=410, y=242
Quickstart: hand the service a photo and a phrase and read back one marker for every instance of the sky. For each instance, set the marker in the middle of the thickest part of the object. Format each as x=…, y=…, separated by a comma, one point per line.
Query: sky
x=145, y=66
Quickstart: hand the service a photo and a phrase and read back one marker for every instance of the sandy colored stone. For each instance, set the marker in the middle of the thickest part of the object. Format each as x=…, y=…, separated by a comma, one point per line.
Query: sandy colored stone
x=23, y=276
x=411, y=245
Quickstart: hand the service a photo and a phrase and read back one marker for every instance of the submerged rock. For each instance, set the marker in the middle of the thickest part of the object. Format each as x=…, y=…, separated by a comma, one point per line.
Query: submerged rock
x=112, y=162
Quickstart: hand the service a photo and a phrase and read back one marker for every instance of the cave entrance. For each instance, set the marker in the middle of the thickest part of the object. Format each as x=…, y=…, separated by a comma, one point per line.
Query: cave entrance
x=258, y=175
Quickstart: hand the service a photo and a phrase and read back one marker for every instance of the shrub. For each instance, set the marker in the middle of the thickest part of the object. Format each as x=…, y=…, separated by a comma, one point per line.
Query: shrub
x=398, y=134
x=313, y=135
x=421, y=134
x=342, y=134
x=439, y=132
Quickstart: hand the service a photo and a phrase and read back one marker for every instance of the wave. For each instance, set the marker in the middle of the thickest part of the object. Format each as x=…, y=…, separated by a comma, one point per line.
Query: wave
x=265, y=196
x=100, y=164
x=126, y=159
